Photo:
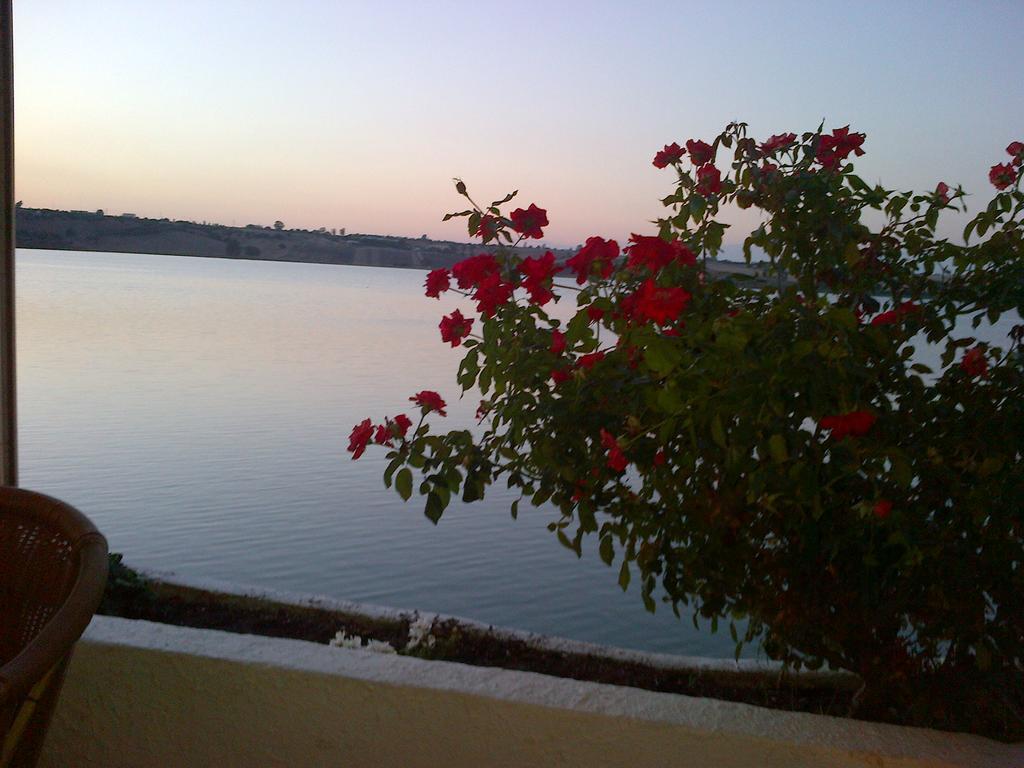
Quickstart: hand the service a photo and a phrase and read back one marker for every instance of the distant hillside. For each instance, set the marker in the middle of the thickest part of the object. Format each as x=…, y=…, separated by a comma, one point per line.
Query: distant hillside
x=84, y=231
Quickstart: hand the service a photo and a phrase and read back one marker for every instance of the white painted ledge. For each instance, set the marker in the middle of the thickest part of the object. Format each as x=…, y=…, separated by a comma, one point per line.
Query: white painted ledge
x=141, y=694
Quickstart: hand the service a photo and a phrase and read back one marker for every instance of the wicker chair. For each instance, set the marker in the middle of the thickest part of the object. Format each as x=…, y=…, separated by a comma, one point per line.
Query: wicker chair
x=53, y=567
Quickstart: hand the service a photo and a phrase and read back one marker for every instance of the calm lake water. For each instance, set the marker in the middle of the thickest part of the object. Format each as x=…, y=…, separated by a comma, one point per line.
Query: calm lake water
x=198, y=411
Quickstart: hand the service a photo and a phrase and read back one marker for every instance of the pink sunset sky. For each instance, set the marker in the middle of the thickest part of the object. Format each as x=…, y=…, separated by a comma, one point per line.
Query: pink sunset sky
x=358, y=114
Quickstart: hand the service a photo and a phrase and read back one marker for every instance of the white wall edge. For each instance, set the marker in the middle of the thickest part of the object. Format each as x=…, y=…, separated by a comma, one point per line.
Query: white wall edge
x=747, y=730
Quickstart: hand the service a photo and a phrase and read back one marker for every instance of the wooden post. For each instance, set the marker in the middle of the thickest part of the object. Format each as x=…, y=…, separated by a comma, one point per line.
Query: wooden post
x=8, y=393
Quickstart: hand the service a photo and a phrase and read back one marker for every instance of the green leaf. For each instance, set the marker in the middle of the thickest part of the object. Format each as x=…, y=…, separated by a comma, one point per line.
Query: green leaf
x=390, y=471
x=717, y=433
x=607, y=550
x=777, y=448
x=648, y=602
x=661, y=355
x=403, y=483
x=901, y=471
x=434, y=507
x=624, y=576
x=505, y=199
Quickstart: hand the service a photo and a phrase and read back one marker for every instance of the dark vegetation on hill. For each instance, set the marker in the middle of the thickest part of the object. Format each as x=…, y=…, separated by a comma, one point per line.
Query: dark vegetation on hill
x=87, y=231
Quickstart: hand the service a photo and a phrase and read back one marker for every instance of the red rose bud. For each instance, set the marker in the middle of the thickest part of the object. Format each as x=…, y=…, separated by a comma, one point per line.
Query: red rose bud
x=882, y=508
x=942, y=192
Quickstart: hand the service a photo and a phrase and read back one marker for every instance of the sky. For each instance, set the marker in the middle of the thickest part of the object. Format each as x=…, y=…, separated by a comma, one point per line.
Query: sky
x=358, y=114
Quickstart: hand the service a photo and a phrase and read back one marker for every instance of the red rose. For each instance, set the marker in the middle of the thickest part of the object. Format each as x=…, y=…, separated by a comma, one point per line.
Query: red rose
x=682, y=254
x=557, y=342
x=709, y=180
x=588, y=361
x=777, y=142
x=472, y=271
x=382, y=436
x=856, y=423
x=559, y=376
x=488, y=227
x=882, y=508
x=838, y=146
x=359, y=438
x=974, y=362
x=942, y=192
x=649, y=303
x=595, y=314
x=700, y=153
x=491, y=293
x=893, y=316
x=616, y=458
x=431, y=401
x=528, y=222
x=659, y=457
x=455, y=327
x=1002, y=176
x=596, y=256
x=537, y=277
x=401, y=425
x=654, y=253
x=437, y=282
x=672, y=153
x=1015, y=149
x=648, y=251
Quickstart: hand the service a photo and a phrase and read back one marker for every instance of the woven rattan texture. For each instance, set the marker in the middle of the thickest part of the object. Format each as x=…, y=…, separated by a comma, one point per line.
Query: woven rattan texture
x=36, y=574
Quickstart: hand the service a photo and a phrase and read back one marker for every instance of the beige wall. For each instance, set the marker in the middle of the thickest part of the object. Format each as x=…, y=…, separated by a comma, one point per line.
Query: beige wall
x=141, y=694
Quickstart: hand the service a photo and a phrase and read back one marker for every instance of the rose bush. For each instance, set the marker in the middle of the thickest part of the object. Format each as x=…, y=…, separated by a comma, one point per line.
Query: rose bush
x=768, y=452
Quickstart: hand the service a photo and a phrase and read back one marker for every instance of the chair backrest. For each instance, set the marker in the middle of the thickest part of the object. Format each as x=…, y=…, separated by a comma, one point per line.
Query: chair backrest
x=53, y=567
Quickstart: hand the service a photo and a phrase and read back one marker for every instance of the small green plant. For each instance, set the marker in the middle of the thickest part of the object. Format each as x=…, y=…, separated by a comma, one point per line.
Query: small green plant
x=125, y=586
x=767, y=453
